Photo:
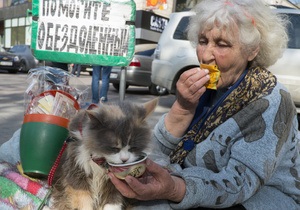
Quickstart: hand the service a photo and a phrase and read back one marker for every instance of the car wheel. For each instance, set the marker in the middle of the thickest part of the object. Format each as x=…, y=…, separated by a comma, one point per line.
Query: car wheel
x=23, y=66
x=157, y=90
x=117, y=86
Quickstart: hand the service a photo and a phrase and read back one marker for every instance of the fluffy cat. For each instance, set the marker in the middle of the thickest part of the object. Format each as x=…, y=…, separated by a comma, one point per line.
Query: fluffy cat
x=116, y=133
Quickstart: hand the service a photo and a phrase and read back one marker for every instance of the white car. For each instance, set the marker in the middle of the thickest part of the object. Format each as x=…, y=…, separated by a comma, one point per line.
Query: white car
x=287, y=68
x=174, y=54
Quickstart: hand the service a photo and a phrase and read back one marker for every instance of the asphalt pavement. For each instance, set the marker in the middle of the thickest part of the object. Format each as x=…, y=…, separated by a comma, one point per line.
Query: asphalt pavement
x=13, y=87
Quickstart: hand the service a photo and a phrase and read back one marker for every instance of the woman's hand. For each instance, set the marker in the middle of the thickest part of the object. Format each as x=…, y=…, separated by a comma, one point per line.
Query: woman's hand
x=190, y=87
x=157, y=184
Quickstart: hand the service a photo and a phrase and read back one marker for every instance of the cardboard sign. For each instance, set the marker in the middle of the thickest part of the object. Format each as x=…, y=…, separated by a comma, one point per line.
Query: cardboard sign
x=84, y=31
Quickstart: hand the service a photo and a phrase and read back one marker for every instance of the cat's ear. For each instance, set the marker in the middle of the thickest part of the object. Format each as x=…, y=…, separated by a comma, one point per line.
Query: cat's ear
x=76, y=123
x=92, y=115
x=150, y=106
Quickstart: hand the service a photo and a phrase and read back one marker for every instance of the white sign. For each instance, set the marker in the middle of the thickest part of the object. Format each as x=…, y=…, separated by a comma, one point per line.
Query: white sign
x=85, y=27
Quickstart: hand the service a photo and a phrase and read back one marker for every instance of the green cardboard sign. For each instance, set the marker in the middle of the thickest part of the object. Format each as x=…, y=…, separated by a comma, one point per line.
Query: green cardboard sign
x=95, y=32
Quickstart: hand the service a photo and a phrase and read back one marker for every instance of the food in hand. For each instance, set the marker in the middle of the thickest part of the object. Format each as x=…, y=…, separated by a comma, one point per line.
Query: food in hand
x=214, y=74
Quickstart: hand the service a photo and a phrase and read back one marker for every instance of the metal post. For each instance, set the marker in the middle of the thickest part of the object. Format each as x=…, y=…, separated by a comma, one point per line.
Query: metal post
x=122, y=83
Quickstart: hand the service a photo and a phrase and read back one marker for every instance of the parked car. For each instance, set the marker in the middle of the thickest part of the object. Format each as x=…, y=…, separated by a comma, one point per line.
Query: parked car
x=138, y=72
x=8, y=61
x=27, y=59
x=174, y=54
x=287, y=68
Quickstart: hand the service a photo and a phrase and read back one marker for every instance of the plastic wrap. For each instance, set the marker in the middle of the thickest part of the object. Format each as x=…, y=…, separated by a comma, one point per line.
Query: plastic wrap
x=54, y=91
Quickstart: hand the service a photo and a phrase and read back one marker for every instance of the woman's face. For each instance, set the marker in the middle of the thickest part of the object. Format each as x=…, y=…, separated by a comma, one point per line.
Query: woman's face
x=222, y=48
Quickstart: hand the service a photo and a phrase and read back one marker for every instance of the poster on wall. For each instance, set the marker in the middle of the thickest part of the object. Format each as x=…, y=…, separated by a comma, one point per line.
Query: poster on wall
x=157, y=4
x=99, y=32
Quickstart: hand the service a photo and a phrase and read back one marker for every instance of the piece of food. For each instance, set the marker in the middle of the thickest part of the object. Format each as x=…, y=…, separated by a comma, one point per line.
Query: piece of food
x=214, y=74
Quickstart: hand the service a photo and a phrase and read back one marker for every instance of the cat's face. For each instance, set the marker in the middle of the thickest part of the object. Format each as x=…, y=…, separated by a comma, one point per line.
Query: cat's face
x=119, y=133
x=119, y=139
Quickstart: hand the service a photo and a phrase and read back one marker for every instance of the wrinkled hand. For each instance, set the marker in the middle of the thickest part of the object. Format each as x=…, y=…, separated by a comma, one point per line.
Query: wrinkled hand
x=190, y=87
x=158, y=184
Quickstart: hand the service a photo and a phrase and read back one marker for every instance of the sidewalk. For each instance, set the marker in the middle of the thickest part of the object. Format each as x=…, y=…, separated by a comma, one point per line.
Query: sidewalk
x=12, y=101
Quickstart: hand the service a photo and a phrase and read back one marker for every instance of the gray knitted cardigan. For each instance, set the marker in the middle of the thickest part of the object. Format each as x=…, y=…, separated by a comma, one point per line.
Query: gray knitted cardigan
x=252, y=158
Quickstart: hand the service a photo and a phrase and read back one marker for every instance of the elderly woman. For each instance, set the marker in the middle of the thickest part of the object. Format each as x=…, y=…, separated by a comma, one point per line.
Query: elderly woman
x=235, y=147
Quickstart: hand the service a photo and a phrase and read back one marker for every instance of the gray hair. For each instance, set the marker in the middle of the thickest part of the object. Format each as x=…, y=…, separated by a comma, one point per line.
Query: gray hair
x=258, y=25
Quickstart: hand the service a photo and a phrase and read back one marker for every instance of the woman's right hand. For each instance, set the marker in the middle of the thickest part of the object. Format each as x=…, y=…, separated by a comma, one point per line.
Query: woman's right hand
x=190, y=87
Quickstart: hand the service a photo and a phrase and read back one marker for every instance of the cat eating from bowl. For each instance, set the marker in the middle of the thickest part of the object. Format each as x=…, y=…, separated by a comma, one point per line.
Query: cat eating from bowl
x=115, y=133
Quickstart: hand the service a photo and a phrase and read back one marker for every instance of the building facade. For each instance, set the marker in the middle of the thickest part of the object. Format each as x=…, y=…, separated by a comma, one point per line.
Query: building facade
x=15, y=22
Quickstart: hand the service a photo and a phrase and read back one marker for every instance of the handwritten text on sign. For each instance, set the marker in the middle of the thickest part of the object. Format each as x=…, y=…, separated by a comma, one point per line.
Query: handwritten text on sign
x=84, y=27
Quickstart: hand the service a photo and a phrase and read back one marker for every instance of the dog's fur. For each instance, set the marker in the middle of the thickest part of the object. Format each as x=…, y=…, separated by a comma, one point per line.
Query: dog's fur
x=117, y=132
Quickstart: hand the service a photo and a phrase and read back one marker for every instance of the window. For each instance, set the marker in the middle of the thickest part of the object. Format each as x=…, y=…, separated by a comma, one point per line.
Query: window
x=294, y=31
x=180, y=32
x=16, y=2
x=18, y=35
